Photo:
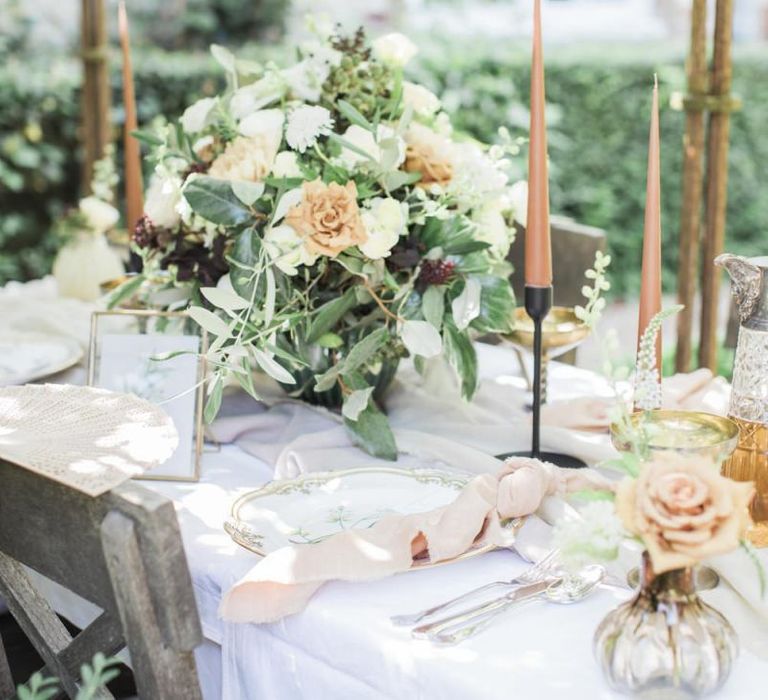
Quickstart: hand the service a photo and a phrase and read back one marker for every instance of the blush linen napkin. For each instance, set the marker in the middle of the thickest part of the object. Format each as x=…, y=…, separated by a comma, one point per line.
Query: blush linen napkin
x=283, y=582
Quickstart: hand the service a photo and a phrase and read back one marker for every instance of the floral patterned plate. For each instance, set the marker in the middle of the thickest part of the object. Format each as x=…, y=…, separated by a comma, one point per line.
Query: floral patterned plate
x=315, y=506
x=26, y=357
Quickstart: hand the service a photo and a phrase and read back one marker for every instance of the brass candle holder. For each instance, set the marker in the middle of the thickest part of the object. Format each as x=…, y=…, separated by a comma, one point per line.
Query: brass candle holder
x=561, y=332
x=692, y=433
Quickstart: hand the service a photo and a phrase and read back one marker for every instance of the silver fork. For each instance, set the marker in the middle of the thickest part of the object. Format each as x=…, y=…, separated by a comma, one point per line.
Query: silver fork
x=534, y=573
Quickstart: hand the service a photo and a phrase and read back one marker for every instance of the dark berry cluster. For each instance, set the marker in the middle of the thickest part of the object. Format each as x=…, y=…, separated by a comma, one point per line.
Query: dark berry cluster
x=436, y=271
x=145, y=233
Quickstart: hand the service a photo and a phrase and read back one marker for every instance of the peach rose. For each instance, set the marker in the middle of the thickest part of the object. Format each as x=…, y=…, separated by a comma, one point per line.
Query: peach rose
x=428, y=153
x=684, y=511
x=328, y=218
x=245, y=158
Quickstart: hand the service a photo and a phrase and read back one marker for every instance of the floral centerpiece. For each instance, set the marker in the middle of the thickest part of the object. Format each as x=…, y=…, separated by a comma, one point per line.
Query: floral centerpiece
x=326, y=222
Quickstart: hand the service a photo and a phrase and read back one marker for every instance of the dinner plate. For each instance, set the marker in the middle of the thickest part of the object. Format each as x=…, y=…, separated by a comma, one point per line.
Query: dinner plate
x=26, y=357
x=315, y=506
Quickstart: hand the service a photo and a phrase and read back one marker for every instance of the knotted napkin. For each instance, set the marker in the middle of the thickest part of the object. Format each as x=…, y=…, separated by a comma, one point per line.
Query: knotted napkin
x=283, y=582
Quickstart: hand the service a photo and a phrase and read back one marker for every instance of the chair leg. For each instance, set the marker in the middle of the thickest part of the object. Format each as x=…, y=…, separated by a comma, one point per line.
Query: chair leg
x=7, y=689
x=160, y=671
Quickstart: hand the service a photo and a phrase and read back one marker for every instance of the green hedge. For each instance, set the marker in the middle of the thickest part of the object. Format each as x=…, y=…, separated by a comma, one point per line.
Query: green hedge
x=599, y=105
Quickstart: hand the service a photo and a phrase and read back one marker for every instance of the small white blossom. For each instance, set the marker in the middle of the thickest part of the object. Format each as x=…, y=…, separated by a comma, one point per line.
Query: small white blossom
x=593, y=535
x=384, y=149
x=384, y=220
x=162, y=200
x=287, y=249
x=305, y=125
x=286, y=165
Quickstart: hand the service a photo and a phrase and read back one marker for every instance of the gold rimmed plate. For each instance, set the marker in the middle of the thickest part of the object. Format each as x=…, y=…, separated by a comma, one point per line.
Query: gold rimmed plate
x=313, y=507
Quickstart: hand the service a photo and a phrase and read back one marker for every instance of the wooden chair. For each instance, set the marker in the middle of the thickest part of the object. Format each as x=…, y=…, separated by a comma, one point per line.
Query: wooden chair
x=573, y=251
x=121, y=551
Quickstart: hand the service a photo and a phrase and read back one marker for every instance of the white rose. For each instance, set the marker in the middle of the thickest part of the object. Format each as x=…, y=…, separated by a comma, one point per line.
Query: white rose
x=385, y=146
x=286, y=165
x=100, y=215
x=255, y=96
x=287, y=249
x=394, y=49
x=162, y=201
x=424, y=102
x=195, y=116
x=385, y=220
x=266, y=125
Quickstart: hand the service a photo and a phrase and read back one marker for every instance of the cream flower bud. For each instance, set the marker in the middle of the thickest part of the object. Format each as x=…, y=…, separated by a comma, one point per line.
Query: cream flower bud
x=395, y=49
x=100, y=215
x=286, y=165
x=195, y=117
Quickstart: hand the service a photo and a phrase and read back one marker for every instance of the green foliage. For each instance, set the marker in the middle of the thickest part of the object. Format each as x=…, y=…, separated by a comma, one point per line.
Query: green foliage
x=94, y=677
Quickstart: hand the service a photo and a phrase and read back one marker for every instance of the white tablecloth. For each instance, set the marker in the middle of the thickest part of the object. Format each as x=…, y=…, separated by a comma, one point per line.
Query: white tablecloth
x=343, y=647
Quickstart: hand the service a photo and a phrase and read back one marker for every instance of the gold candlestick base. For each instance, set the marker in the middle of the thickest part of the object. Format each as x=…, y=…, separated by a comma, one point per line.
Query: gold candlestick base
x=561, y=331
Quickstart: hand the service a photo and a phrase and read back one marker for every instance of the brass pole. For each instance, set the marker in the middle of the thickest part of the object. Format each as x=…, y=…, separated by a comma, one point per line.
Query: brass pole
x=95, y=100
x=717, y=181
x=690, y=214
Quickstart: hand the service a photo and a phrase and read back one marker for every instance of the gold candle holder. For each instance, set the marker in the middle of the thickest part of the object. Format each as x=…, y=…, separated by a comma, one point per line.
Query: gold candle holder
x=692, y=433
x=561, y=331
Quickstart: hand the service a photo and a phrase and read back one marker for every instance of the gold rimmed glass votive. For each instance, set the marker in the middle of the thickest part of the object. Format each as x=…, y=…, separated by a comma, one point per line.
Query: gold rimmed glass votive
x=561, y=331
x=692, y=433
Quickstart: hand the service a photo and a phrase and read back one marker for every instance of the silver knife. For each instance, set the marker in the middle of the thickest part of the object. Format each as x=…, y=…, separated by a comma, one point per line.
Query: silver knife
x=486, y=610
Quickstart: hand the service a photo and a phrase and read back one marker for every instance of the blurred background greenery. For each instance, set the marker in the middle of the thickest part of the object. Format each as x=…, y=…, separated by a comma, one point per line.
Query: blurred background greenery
x=598, y=95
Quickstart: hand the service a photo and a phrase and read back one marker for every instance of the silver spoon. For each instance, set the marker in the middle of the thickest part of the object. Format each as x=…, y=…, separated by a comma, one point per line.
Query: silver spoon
x=564, y=590
x=534, y=573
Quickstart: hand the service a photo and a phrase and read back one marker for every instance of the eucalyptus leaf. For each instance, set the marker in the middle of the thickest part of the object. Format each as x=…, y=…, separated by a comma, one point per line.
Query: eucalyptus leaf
x=330, y=313
x=433, y=305
x=209, y=321
x=269, y=300
x=461, y=354
x=213, y=403
x=272, y=367
x=371, y=431
x=421, y=338
x=355, y=403
x=327, y=379
x=246, y=191
x=353, y=116
x=224, y=299
x=364, y=350
x=215, y=201
x=289, y=200
x=466, y=306
x=125, y=291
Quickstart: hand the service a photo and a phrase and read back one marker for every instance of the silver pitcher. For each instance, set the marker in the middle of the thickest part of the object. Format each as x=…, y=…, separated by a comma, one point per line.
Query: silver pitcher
x=749, y=393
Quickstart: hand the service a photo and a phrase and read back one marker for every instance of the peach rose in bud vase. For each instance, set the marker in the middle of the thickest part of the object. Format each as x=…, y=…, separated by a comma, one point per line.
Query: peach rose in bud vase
x=684, y=511
x=328, y=218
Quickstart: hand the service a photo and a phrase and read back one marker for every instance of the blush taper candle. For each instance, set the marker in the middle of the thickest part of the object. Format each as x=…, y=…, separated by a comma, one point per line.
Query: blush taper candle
x=134, y=199
x=538, y=246
x=650, y=281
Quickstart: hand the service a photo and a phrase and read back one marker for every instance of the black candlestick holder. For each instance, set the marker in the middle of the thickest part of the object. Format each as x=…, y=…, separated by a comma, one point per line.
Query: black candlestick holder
x=538, y=302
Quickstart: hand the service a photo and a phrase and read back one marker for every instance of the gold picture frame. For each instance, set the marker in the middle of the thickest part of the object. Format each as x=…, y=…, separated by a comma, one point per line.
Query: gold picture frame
x=153, y=323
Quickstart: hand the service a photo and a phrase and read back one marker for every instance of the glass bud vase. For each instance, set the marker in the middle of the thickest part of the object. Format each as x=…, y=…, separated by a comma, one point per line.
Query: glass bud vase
x=665, y=642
